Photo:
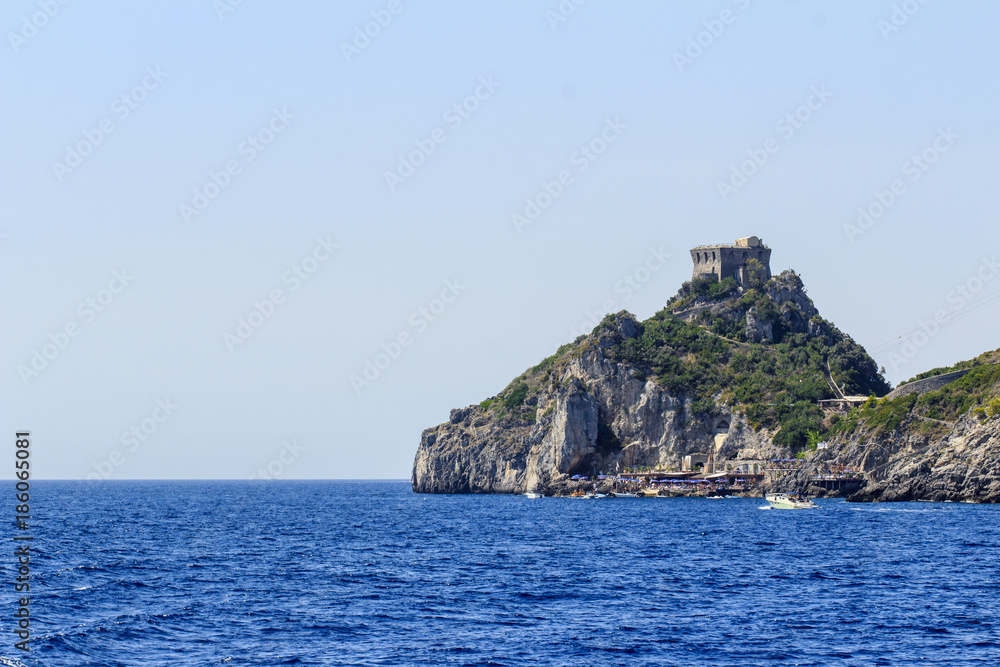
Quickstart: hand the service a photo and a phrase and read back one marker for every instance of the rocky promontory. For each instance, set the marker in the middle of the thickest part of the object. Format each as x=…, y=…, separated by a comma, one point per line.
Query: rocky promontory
x=732, y=369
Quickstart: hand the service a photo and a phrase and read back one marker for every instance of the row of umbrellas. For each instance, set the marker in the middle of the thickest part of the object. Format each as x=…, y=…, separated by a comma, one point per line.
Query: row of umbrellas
x=655, y=481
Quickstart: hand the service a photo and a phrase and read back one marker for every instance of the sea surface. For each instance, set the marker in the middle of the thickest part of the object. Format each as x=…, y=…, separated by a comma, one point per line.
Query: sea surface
x=368, y=573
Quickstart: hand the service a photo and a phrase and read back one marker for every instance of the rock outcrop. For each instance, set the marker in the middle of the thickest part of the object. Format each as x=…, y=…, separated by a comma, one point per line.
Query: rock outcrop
x=729, y=371
x=963, y=465
x=736, y=371
x=939, y=440
x=599, y=415
x=960, y=464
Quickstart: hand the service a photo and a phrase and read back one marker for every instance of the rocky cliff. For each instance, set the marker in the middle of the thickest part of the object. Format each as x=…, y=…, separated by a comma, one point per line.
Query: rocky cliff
x=722, y=366
x=598, y=415
x=931, y=439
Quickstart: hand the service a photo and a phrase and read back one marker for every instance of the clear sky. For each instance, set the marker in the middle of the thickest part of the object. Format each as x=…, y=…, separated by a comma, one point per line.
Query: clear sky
x=460, y=190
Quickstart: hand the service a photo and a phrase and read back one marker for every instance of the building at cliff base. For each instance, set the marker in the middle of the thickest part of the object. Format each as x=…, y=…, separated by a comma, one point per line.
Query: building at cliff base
x=718, y=262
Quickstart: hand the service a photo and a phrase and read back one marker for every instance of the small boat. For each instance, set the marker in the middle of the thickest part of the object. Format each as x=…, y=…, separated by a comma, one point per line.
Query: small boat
x=789, y=501
x=618, y=494
x=649, y=493
x=531, y=494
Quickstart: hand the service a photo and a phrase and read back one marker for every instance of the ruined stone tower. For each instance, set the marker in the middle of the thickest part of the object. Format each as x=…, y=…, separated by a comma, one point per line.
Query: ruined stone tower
x=719, y=262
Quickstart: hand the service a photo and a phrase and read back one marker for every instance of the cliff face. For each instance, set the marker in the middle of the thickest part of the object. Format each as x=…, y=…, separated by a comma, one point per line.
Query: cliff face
x=474, y=453
x=936, y=438
x=964, y=464
x=598, y=417
x=722, y=367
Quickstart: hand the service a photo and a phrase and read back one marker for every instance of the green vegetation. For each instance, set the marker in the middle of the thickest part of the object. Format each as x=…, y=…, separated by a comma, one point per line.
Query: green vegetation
x=714, y=289
x=985, y=358
x=704, y=288
x=878, y=416
x=775, y=384
x=798, y=420
x=756, y=273
x=988, y=411
x=515, y=397
x=976, y=391
x=549, y=362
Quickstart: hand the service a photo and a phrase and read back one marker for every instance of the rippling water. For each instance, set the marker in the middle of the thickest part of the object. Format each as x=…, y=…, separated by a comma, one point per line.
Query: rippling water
x=337, y=573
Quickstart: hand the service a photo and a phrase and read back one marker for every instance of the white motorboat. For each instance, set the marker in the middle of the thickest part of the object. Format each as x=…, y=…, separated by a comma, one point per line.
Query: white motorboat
x=789, y=501
x=618, y=494
x=531, y=494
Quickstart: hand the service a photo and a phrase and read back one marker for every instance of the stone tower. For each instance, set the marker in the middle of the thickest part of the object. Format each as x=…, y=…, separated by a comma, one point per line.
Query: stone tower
x=719, y=262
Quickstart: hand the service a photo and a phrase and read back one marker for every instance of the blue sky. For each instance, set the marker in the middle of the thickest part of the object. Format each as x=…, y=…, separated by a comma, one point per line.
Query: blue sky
x=279, y=124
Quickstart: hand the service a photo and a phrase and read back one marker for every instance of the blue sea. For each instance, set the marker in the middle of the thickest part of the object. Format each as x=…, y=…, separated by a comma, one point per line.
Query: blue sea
x=368, y=573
